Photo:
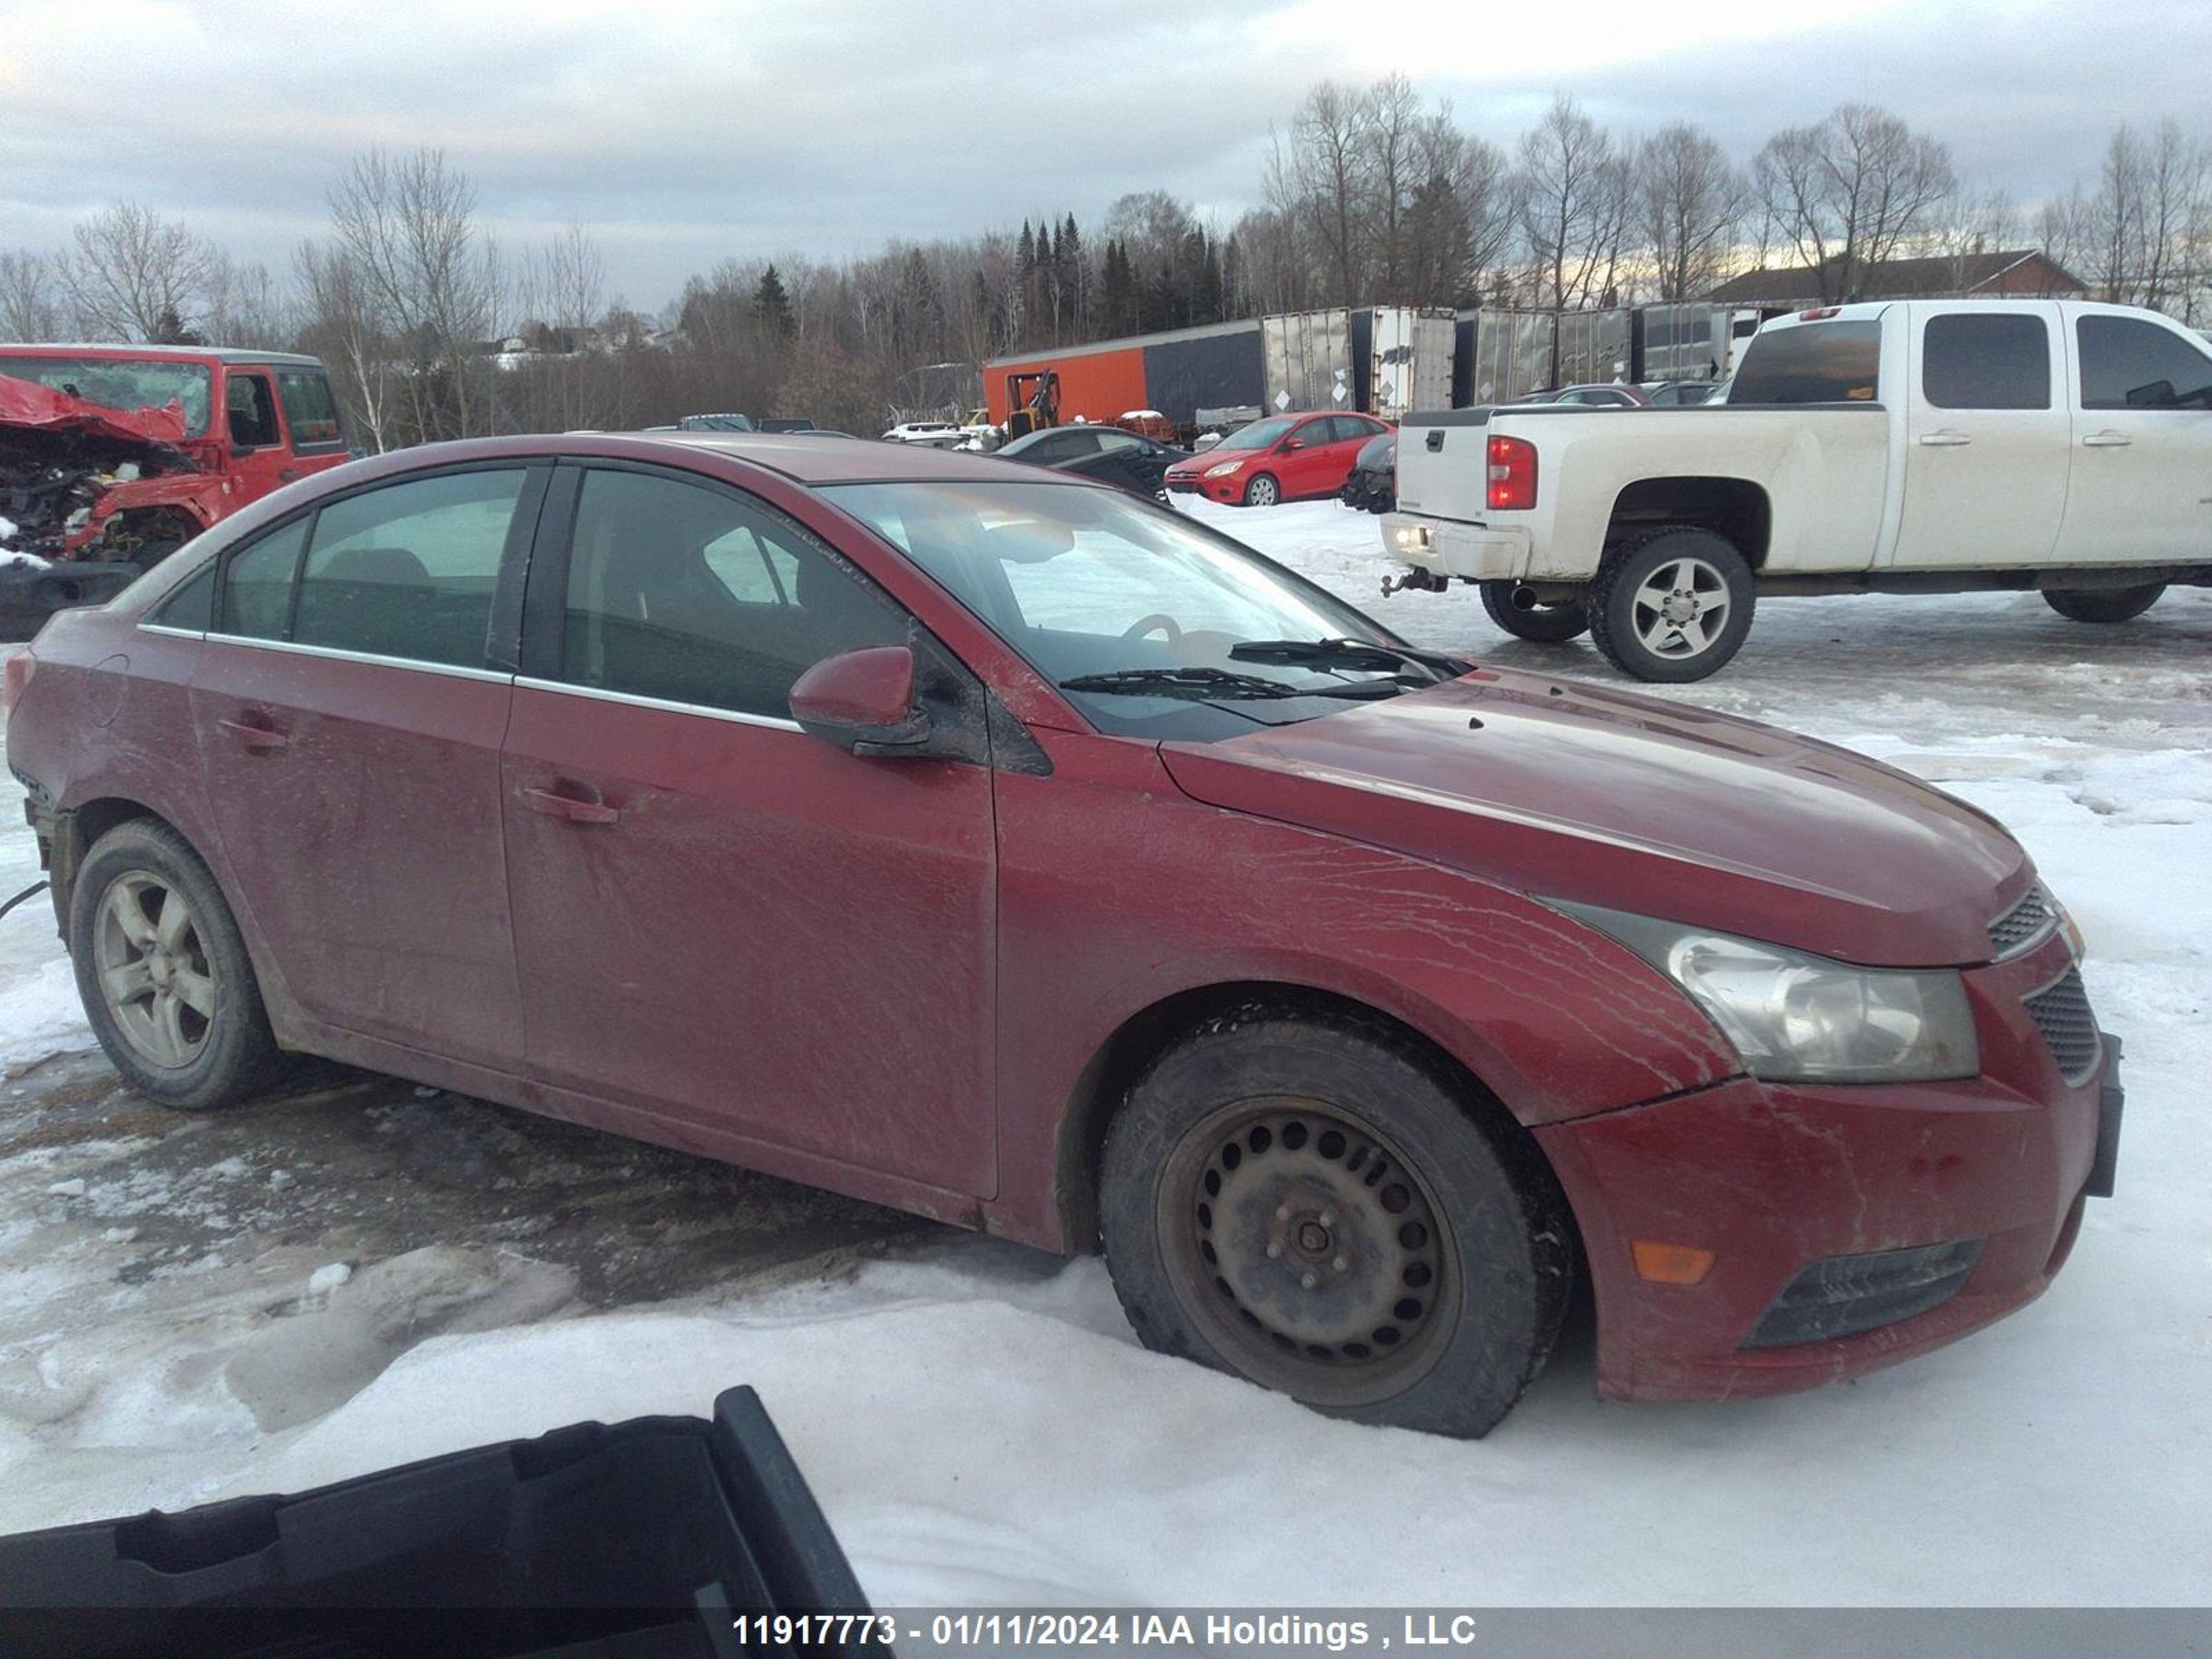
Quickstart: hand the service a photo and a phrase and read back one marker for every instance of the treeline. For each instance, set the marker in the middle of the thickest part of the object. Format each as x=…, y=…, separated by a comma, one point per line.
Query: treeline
x=433, y=330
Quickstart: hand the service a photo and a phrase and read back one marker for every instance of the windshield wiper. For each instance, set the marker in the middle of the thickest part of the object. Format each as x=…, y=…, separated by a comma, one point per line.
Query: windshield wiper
x=1346, y=652
x=1213, y=683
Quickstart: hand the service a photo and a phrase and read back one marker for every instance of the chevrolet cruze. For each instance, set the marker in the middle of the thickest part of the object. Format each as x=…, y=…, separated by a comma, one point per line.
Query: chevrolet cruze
x=995, y=845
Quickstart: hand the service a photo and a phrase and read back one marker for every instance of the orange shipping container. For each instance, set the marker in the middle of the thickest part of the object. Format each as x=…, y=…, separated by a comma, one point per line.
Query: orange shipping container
x=1098, y=384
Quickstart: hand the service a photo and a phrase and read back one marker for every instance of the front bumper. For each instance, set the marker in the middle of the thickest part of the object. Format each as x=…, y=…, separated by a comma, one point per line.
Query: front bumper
x=1955, y=1203
x=1228, y=491
x=1446, y=547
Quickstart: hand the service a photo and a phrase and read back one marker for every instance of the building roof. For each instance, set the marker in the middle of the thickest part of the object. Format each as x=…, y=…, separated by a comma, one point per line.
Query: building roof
x=1891, y=279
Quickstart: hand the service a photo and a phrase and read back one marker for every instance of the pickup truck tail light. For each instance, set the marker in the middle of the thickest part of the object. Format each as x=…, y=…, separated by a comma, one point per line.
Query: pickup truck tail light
x=1512, y=475
x=15, y=680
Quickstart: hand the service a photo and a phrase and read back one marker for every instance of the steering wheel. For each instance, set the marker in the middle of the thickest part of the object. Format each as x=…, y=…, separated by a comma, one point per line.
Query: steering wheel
x=1144, y=625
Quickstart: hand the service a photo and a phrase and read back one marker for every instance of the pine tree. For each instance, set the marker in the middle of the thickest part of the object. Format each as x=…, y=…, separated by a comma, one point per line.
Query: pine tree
x=772, y=305
x=1025, y=250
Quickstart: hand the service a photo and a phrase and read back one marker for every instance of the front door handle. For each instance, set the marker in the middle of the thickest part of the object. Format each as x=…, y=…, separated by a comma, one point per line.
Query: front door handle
x=262, y=739
x=570, y=809
x=1944, y=438
x=2106, y=441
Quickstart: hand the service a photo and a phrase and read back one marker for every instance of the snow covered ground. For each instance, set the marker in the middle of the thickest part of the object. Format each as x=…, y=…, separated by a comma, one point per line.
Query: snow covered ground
x=979, y=1425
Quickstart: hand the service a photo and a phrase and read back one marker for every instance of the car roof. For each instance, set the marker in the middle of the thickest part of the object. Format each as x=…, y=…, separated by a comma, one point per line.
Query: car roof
x=157, y=353
x=805, y=458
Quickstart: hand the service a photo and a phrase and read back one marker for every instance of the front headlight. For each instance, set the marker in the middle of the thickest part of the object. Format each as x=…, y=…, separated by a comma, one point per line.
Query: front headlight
x=1795, y=1018
x=1224, y=470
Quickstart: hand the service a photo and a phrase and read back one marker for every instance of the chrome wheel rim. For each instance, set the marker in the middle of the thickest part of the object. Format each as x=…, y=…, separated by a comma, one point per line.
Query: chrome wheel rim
x=153, y=969
x=1263, y=492
x=1681, y=609
x=1308, y=1251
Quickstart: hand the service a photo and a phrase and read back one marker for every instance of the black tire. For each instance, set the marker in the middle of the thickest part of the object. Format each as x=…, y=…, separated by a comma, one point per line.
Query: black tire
x=231, y=1055
x=1634, y=636
x=1254, y=496
x=2103, y=605
x=1452, y=1228
x=1546, y=624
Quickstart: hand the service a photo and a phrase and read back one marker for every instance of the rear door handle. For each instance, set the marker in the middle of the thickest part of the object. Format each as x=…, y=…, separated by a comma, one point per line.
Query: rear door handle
x=2106, y=441
x=570, y=809
x=1945, y=439
x=259, y=738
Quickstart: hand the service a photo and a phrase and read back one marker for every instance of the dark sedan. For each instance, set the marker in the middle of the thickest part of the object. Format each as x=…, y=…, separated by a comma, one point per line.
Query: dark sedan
x=1373, y=485
x=1106, y=453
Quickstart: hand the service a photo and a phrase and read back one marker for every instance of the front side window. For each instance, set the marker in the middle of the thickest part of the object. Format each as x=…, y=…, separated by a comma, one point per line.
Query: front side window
x=1084, y=583
x=1831, y=362
x=408, y=570
x=252, y=411
x=686, y=593
x=1986, y=359
x=2127, y=364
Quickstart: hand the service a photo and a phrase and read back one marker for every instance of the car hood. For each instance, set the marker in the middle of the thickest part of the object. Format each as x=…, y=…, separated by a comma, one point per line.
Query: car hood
x=1607, y=798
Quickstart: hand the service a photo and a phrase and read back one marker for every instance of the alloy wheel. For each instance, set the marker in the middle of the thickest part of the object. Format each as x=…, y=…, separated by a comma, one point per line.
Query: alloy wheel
x=153, y=969
x=1681, y=608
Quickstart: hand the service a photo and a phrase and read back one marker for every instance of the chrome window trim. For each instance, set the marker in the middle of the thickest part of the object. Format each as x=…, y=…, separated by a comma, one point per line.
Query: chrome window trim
x=173, y=632
x=766, y=722
x=336, y=654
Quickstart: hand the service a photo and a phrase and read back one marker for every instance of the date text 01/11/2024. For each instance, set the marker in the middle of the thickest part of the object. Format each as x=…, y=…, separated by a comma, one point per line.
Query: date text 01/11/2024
x=1016, y=1631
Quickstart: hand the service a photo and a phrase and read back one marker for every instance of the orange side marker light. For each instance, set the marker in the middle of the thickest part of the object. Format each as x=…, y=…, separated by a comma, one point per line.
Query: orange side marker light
x=1670, y=1264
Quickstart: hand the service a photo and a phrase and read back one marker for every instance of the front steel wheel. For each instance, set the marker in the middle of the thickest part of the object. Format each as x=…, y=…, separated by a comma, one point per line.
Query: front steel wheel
x=154, y=971
x=1308, y=1249
x=1316, y=1203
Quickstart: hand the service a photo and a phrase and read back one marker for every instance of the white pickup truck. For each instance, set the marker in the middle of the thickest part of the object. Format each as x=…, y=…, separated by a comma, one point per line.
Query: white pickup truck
x=1913, y=447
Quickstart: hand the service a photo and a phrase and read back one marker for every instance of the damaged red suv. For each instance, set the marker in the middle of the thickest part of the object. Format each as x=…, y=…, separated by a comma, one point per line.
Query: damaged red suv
x=994, y=845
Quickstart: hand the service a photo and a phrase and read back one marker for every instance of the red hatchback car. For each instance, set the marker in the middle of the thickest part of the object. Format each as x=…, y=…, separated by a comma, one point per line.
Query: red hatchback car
x=981, y=842
x=1285, y=458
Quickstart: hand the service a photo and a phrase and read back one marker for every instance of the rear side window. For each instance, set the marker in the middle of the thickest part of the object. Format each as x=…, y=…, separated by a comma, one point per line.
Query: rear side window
x=1833, y=362
x=309, y=408
x=687, y=594
x=408, y=570
x=257, y=584
x=1986, y=359
x=2126, y=364
x=191, y=605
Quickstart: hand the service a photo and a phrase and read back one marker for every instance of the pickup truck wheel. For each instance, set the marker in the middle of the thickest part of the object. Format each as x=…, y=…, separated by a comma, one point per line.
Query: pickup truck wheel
x=164, y=974
x=1511, y=607
x=1262, y=491
x=2103, y=605
x=1312, y=1205
x=1671, y=605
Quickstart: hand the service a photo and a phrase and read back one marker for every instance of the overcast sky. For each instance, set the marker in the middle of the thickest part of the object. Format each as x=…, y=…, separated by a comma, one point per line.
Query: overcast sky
x=682, y=132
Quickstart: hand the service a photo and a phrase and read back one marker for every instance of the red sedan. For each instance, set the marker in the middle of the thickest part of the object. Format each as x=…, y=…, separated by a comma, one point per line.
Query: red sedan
x=1285, y=458
x=981, y=842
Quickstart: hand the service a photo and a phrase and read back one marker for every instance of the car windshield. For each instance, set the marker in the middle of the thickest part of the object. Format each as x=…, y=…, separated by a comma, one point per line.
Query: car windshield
x=128, y=384
x=1258, y=435
x=1146, y=610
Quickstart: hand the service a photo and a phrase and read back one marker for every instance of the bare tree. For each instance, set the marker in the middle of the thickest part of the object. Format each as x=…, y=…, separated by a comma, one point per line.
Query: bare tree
x=132, y=275
x=1692, y=202
x=408, y=227
x=1325, y=178
x=1852, y=191
x=31, y=305
x=1573, y=189
x=243, y=307
x=343, y=324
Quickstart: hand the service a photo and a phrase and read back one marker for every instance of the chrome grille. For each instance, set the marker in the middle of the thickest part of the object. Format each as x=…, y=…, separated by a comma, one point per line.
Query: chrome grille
x=2061, y=1011
x=2026, y=922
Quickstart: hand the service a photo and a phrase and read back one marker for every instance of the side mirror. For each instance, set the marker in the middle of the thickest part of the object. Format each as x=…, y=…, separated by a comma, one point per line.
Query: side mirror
x=1294, y=443
x=862, y=701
